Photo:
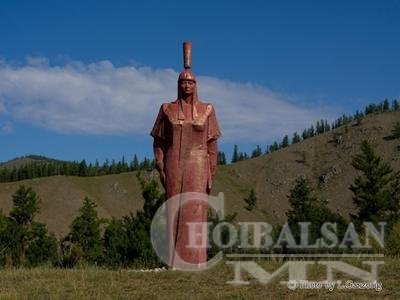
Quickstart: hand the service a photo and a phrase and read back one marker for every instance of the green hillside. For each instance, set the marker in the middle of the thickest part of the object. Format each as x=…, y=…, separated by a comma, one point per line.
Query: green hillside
x=325, y=159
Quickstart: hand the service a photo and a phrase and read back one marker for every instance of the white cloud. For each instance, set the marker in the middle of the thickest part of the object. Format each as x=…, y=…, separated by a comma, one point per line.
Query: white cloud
x=100, y=98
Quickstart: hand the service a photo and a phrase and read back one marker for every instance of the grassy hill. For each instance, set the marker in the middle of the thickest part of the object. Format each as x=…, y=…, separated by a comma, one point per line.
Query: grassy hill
x=325, y=159
x=24, y=160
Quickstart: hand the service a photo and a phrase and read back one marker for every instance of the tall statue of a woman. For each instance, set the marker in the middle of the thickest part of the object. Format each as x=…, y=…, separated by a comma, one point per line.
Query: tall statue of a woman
x=185, y=147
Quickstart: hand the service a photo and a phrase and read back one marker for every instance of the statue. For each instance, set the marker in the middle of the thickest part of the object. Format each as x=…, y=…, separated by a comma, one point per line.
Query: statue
x=185, y=147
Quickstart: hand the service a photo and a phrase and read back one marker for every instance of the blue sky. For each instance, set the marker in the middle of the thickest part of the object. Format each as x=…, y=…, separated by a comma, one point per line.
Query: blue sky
x=84, y=79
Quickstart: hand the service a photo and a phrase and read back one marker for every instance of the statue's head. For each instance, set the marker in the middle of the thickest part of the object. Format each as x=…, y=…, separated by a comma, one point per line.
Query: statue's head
x=187, y=79
x=187, y=74
x=186, y=87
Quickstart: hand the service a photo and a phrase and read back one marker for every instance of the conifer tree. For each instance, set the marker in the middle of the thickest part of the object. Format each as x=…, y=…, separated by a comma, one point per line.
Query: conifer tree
x=296, y=138
x=375, y=192
x=256, y=152
x=285, y=142
x=395, y=105
x=85, y=231
x=306, y=207
x=305, y=134
x=28, y=242
x=26, y=206
x=235, y=155
x=251, y=200
x=221, y=159
x=135, y=163
x=83, y=170
x=385, y=105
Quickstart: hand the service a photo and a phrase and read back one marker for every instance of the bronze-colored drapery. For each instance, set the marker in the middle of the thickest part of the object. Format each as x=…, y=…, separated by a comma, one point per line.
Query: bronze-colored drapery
x=185, y=140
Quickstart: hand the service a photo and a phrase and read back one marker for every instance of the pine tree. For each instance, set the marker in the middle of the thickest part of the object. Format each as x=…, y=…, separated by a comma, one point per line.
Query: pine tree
x=326, y=126
x=113, y=167
x=358, y=117
x=374, y=192
x=241, y=156
x=85, y=231
x=28, y=242
x=296, y=138
x=305, y=207
x=96, y=168
x=251, y=200
x=115, y=242
x=305, y=134
x=42, y=246
x=385, y=105
x=275, y=146
x=285, y=142
x=82, y=168
x=320, y=127
x=221, y=159
x=235, y=155
x=256, y=152
x=138, y=227
x=311, y=131
x=395, y=105
x=26, y=206
x=135, y=163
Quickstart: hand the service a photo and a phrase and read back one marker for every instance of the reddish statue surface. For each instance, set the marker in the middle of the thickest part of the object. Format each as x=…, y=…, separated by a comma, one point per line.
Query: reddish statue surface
x=185, y=147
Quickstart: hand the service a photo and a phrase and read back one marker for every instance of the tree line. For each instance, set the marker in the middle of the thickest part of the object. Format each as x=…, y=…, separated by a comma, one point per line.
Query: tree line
x=320, y=127
x=48, y=167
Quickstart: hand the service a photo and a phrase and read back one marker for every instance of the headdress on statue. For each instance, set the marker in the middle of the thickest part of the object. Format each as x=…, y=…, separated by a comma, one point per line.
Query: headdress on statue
x=187, y=73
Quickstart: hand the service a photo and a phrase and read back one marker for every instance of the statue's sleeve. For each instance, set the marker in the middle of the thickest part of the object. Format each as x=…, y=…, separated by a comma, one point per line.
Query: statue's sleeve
x=213, y=127
x=213, y=134
x=158, y=133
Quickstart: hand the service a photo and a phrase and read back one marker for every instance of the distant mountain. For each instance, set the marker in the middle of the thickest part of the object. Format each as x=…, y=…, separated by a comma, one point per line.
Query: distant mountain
x=24, y=160
x=325, y=159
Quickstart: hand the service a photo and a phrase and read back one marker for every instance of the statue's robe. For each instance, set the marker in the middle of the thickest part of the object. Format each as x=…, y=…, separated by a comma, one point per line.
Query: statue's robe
x=187, y=136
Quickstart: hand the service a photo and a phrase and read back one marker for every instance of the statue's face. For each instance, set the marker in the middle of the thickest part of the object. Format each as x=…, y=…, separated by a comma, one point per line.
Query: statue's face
x=187, y=86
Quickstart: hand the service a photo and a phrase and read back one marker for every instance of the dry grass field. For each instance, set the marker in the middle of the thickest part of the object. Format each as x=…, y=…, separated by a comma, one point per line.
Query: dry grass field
x=98, y=283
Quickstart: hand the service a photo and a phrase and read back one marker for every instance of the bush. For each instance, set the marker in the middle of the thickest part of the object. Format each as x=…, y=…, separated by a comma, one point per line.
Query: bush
x=251, y=200
x=127, y=241
x=305, y=207
x=42, y=246
x=25, y=242
x=116, y=243
x=85, y=232
x=376, y=193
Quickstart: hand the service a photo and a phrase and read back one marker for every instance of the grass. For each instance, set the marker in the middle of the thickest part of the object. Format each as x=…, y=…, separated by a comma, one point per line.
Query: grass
x=99, y=283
